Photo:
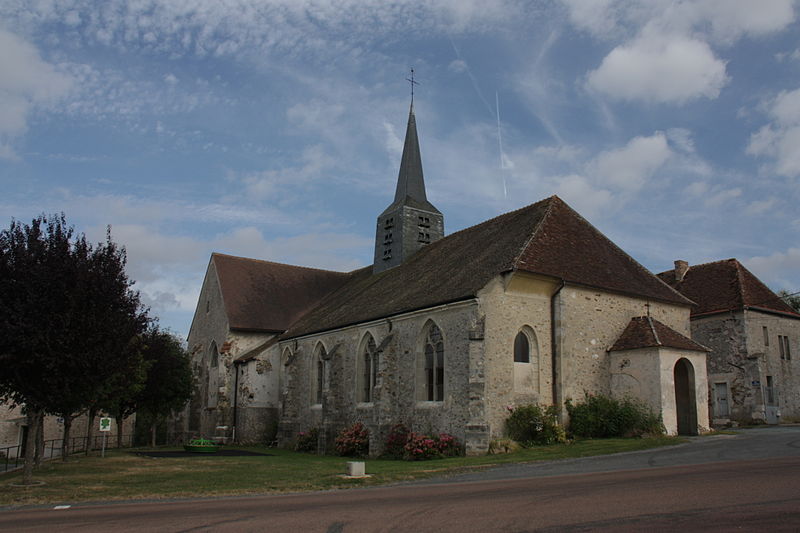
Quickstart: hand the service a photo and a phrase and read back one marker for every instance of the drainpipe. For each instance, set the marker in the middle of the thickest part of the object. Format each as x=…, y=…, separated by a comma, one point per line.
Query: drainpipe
x=554, y=348
x=235, y=399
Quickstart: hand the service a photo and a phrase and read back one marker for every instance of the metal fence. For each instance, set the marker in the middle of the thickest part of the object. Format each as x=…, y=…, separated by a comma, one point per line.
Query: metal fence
x=12, y=457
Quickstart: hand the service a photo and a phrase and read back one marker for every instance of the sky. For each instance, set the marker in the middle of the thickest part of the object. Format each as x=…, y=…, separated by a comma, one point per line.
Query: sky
x=273, y=129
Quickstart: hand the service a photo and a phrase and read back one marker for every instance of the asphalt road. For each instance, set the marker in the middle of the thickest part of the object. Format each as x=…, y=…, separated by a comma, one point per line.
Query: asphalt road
x=746, y=482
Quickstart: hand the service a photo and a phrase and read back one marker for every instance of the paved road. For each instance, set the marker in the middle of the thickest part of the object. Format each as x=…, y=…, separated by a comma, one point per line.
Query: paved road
x=704, y=485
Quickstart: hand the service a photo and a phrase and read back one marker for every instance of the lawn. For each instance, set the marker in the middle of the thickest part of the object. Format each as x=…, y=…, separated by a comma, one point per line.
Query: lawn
x=121, y=475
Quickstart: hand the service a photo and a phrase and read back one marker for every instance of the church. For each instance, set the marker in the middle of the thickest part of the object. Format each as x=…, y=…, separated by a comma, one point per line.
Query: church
x=442, y=332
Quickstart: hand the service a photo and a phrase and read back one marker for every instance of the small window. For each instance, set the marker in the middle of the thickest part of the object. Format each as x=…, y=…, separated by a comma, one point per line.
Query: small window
x=781, y=346
x=388, y=223
x=208, y=306
x=787, y=350
x=766, y=335
x=369, y=370
x=319, y=369
x=522, y=349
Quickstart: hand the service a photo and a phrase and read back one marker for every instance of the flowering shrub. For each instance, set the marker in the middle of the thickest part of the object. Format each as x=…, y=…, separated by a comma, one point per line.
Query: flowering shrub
x=353, y=441
x=448, y=445
x=530, y=425
x=404, y=444
x=306, y=441
x=396, y=440
x=420, y=447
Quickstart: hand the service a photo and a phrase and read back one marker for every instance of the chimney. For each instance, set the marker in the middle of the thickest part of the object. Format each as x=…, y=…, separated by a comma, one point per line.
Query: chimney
x=681, y=267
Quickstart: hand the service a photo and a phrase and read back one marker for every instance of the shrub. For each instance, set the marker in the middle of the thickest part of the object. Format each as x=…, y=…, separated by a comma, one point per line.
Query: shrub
x=531, y=425
x=401, y=443
x=448, y=445
x=599, y=416
x=353, y=441
x=503, y=446
x=420, y=447
x=396, y=440
x=306, y=441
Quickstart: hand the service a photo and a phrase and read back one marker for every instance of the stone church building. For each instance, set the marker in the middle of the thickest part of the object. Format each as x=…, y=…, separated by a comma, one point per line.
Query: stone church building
x=441, y=333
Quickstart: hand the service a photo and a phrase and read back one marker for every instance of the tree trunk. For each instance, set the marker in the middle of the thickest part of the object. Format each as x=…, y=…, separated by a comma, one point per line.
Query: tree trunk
x=30, y=445
x=39, y=456
x=120, y=420
x=89, y=427
x=153, y=435
x=65, y=440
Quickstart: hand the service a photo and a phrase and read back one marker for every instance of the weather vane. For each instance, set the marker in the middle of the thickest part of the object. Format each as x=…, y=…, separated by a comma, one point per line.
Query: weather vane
x=412, y=82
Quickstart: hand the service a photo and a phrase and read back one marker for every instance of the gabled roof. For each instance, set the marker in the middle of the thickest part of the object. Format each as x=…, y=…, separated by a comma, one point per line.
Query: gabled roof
x=725, y=286
x=647, y=332
x=266, y=296
x=547, y=237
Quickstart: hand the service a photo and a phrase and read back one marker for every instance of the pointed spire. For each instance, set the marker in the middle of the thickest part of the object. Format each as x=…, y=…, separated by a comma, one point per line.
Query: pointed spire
x=410, y=181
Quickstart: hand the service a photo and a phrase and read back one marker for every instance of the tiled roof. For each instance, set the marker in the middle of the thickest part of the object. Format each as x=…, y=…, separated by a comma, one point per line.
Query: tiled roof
x=647, y=332
x=725, y=286
x=547, y=237
x=266, y=296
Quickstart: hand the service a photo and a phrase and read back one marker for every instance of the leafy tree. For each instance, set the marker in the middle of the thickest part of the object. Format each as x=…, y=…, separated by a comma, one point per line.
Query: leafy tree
x=169, y=383
x=793, y=299
x=68, y=320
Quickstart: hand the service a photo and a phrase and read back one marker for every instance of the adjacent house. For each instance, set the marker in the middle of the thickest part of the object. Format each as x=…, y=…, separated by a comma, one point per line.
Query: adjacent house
x=753, y=373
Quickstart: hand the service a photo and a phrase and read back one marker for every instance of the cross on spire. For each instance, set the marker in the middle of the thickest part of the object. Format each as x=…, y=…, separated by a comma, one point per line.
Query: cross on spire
x=412, y=82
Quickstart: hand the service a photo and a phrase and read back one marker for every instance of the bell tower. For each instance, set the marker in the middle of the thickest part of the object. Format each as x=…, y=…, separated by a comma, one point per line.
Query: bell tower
x=411, y=221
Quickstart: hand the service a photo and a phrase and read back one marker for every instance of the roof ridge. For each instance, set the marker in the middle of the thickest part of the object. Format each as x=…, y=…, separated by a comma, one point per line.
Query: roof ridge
x=740, y=293
x=691, y=266
x=552, y=200
x=250, y=259
x=653, y=330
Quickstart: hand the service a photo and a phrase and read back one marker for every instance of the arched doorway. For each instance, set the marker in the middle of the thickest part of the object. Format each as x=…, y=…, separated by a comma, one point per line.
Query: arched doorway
x=685, y=402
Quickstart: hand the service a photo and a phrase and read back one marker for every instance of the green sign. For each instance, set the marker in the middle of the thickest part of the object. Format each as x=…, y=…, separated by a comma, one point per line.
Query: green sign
x=105, y=424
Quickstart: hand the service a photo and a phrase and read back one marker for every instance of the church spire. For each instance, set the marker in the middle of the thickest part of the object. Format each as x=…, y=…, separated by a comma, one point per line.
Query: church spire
x=411, y=221
x=410, y=181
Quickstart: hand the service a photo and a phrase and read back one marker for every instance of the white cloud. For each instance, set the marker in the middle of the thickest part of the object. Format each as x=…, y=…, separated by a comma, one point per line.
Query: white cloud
x=26, y=81
x=628, y=168
x=721, y=20
x=458, y=66
x=583, y=196
x=759, y=207
x=776, y=269
x=722, y=196
x=780, y=139
x=662, y=69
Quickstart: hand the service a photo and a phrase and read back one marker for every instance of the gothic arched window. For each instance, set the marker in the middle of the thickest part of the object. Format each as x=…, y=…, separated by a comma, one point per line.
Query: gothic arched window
x=212, y=382
x=318, y=371
x=367, y=369
x=433, y=354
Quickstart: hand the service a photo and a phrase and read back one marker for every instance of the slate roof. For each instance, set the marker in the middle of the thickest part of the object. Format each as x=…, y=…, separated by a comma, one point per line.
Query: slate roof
x=547, y=237
x=266, y=296
x=410, y=180
x=647, y=332
x=725, y=286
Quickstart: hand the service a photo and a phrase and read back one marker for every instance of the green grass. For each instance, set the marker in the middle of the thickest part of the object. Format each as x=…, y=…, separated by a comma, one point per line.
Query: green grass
x=124, y=476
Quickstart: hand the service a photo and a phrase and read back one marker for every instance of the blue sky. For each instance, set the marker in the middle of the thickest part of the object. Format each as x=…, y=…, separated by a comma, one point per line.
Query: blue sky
x=273, y=129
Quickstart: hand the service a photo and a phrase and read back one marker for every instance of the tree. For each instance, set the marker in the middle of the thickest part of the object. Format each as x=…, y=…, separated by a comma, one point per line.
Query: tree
x=793, y=299
x=68, y=317
x=169, y=380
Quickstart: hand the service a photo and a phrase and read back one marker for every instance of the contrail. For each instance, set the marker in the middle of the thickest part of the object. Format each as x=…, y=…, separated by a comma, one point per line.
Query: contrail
x=500, y=144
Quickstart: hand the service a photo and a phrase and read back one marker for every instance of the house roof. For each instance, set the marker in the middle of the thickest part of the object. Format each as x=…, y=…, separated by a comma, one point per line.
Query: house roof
x=647, y=332
x=266, y=296
x=547, y=237
x=725, y=286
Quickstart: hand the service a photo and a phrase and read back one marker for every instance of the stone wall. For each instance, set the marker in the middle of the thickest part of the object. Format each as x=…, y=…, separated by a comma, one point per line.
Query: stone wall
x=210, y=412
x=589, y=323
x=396, y=392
